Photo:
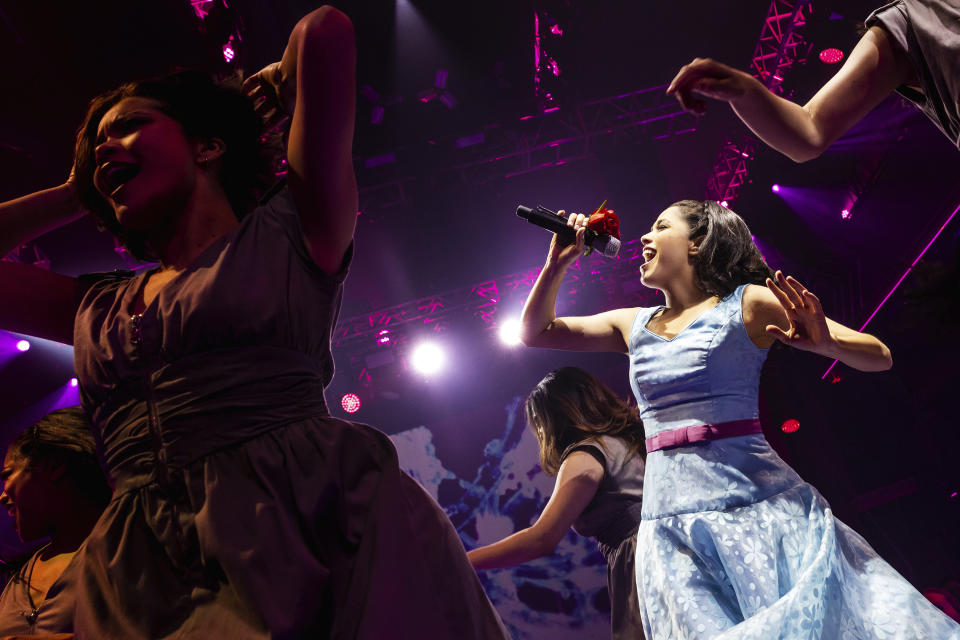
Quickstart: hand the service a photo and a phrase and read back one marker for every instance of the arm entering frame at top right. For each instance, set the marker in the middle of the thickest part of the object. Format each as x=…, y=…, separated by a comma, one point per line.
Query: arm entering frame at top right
x=37, y=302
x=874, y=69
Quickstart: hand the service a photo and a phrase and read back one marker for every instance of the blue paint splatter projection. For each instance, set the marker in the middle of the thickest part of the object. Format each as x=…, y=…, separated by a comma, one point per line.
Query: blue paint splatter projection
x=561, y=596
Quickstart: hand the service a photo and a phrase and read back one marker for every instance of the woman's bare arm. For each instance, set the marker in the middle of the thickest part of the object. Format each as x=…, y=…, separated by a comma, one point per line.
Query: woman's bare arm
x=873, y=70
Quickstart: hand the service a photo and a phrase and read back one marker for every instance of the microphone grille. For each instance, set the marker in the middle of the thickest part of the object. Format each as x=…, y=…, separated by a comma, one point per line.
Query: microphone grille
x=612, y=248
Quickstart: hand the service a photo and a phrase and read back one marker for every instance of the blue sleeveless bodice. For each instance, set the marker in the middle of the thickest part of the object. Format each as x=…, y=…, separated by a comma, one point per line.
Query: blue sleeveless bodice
x=709, y=373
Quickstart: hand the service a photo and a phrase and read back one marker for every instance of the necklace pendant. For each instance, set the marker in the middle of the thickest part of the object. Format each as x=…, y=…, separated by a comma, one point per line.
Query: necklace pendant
x=136, y=331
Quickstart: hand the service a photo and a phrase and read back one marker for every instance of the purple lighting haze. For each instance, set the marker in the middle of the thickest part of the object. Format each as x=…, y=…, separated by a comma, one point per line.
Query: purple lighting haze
x=23, y=345
x=902, y=278
x=775, y=188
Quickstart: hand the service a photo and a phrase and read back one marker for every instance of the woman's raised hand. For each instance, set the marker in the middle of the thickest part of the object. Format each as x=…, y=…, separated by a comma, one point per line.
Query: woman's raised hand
x=563, y=255
x=807, y=328
x=273, y=94
x=708, y=78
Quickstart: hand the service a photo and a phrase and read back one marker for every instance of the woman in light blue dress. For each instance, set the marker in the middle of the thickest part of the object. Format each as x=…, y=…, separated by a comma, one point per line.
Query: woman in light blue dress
x=733, y=543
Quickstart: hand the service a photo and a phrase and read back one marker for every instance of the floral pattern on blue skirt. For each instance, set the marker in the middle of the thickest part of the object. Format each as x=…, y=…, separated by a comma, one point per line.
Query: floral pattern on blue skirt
x=782, y=567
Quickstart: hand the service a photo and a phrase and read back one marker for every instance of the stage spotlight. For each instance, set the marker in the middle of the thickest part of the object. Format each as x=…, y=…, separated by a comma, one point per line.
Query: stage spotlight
x=23, y=345
x=510, y=332
x=383, y=337
x=723, y=203
x=350, y=402
x=427, y=358
x=74, y=382
x=790, y=426
x=228, y=52
x=775, y=188
x=845, y=214
x=831, y=55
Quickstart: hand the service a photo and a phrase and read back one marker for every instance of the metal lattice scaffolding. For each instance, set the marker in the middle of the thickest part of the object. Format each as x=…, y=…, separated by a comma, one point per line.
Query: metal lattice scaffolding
x=780, y=47
x=551, y=138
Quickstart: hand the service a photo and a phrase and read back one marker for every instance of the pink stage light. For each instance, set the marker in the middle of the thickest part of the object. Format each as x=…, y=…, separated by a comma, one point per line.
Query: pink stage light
x=228, y=52
x=74, y=382
x=902, y=278
x=775, y=188
x=350, y=402
x=23, y=345
x=831, y=55
x=845, y=214
x=790, y=426
x=383, y=336
x=724, y=204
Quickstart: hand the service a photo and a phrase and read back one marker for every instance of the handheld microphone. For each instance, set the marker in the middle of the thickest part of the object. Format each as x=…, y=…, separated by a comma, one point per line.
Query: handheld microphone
x=551, y=221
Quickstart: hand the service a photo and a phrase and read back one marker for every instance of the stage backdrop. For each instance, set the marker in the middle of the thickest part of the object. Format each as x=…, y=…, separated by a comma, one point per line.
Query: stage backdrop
x=561, y=596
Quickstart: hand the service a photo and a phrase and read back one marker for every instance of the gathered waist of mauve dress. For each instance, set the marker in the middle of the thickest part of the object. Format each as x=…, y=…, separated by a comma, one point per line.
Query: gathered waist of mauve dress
x=685, y=436
x=188, y=408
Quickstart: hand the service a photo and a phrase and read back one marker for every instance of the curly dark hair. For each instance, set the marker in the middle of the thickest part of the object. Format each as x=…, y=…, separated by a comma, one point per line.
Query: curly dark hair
x=63, y=438
x=728, y=256
x=205, y=108
x=570, y=406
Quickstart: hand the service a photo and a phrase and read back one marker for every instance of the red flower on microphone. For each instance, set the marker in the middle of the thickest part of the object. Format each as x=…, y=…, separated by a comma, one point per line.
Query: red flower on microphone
x=604, y=221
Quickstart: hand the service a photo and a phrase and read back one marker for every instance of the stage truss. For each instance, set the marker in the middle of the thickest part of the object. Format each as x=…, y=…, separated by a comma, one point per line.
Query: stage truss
x=781, y=47
x=551, y=138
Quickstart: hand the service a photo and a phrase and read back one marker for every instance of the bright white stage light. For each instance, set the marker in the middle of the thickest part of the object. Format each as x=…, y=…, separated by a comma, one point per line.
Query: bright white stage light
x=510, y=332
x=427, y=358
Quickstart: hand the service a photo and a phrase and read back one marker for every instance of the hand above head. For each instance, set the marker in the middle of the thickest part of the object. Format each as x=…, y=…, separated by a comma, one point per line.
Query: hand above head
x=273, y=94
x=807, y=328
x=708, y=78
x=563, y=255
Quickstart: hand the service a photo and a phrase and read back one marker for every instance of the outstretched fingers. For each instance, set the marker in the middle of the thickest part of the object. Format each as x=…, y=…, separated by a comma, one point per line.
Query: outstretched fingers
x=780, y=334
x=780, y=294
x=813, y=301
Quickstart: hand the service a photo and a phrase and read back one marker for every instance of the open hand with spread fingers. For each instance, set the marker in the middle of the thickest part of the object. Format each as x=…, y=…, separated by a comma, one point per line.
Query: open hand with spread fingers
x=807, y=325
x=711, y=79
x=273, y=95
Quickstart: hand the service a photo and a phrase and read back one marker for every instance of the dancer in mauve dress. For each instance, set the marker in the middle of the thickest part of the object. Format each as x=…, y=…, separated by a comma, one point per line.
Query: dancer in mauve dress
x=593, y=442
x=241, y=508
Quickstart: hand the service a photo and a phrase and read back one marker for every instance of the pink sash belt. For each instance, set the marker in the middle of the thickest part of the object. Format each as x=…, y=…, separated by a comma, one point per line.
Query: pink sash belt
x=702, y=433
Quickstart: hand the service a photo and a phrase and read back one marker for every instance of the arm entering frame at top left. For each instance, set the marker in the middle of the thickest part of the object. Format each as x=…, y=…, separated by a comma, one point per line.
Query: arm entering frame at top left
x=321, y=56
x=36, y=301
